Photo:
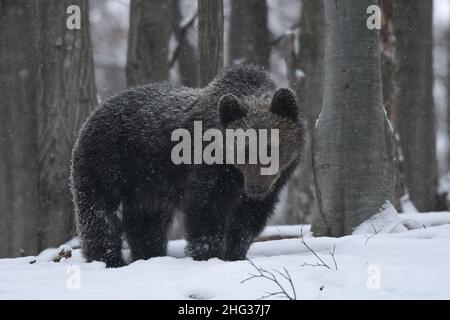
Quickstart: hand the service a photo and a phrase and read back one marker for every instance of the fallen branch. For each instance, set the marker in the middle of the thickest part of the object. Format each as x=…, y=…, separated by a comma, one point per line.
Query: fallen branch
x=274, y=237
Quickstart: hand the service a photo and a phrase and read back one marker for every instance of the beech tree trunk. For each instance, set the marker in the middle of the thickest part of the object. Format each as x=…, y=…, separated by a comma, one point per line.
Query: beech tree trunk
x=148, y=41
x=301, y=202
x=353, y=143
x=68, y=95
x=19, y=81
x=210, y=40
x=47, y=89
x=249, y=36
x=414, y=105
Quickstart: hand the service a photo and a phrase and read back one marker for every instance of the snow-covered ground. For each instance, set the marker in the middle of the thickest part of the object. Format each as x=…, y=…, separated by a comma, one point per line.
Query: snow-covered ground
x=412, y=264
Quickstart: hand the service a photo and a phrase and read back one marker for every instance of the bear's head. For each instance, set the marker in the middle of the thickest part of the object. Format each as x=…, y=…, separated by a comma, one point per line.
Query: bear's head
x=269, y=130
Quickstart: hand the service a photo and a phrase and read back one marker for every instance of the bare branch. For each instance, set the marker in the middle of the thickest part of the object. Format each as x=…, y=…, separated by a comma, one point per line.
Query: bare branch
x=302, y=239
x=321, y=263
x=181, y=38
x=268, y=275
x=375, y=232
x=279, y=38
x=270, y=294
x=332, y=256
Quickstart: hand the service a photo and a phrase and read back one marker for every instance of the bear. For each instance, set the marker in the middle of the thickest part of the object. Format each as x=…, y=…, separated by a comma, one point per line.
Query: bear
x=125, y=185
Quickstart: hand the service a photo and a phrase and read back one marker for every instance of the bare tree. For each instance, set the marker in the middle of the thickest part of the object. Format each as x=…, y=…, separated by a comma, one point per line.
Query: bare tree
x=48, y=89
x=448, y=91
x=414, y=105
x=301, y=202
x=249, y=36
x=210, y=40
x=68, y=95
x=109, y=33
x=353, y=144
x=19, y=81
x=185, y=53
x=388, y=83
x=148, y=41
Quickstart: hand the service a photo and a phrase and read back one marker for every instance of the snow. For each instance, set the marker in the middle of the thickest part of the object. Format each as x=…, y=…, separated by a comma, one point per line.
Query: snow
x=403, y=265
x=386, y=221
x=407, y=205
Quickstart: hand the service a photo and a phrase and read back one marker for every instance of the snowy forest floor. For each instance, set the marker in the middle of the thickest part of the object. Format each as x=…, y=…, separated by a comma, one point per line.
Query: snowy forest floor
x=412, y=263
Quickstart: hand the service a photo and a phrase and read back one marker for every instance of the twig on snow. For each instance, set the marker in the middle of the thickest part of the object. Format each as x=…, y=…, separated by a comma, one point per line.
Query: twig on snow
x=269, y=275
x=375, y=232
x=321, y=263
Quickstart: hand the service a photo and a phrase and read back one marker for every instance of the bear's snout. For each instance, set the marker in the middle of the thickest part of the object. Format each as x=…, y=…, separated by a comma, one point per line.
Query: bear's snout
x=255, y=183
x=256, y=189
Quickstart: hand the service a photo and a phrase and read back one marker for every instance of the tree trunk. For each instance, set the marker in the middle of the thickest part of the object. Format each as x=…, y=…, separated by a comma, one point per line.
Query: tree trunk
x=388, y=84
x=49, y=79
x=148, y=41
x=19, y=80
x=301, y=202
x=414, y=105
x=187, y=57
x=249, y=36
x=353, y=144
x=387, y=56
x=210, y=40
x=448, y=95
x=68, y=96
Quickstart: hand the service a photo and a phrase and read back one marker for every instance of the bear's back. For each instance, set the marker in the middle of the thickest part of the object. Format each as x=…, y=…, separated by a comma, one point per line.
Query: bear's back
x=143, y=118
x=156, y=103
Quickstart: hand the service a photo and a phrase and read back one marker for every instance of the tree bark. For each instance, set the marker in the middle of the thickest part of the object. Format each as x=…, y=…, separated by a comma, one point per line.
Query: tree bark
x=414, y=105
x=19, y=81
x=210, y=40
x=68, y=95
x=387, y=56
x=249, y=36
x=448, y=94
x=148, y=41
x=301, y=204
x=187, y=56
x=353, y=144
x=388, y=83
x=47, y=91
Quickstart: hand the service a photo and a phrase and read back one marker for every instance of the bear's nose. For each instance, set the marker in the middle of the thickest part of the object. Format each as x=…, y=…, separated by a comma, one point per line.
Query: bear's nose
x=255, y=189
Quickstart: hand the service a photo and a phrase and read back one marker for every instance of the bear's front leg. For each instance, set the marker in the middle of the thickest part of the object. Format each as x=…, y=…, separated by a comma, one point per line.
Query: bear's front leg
x=238, y=241
x=207, y=203
x=245, y=224
x=205, y=230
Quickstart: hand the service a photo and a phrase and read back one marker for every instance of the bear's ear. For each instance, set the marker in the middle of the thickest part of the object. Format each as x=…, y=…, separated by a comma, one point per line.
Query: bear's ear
x=284, y=103
x=230, y=109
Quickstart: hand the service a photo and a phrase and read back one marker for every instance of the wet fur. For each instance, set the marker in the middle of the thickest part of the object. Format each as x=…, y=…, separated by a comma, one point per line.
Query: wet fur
x=122, y=160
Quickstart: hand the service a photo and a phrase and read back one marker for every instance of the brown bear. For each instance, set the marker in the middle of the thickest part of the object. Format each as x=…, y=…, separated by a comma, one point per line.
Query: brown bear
x=125, y=182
